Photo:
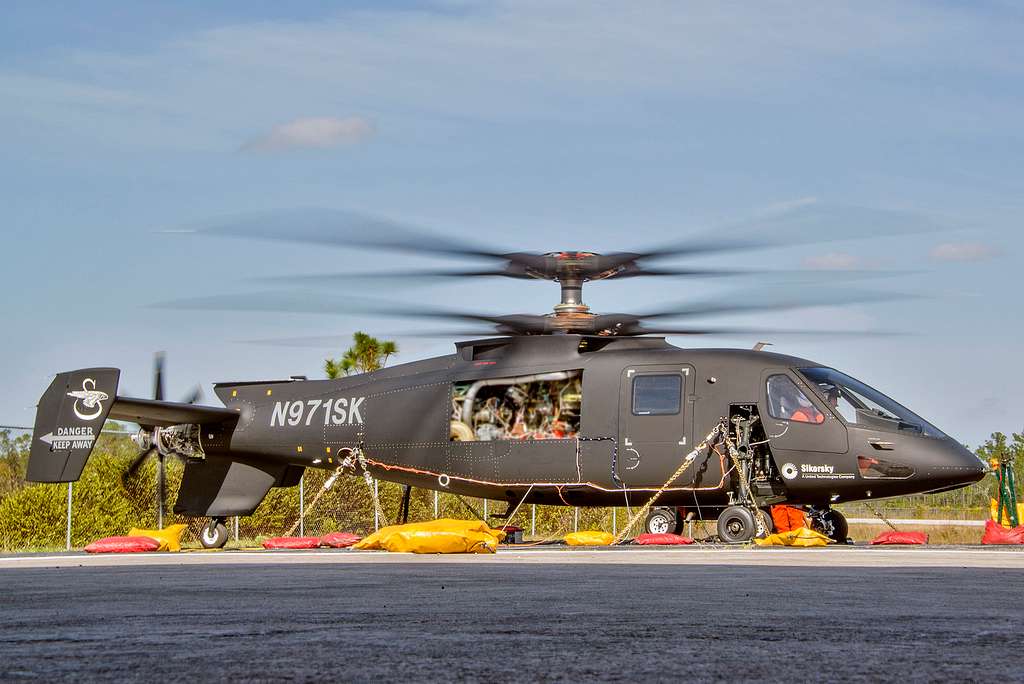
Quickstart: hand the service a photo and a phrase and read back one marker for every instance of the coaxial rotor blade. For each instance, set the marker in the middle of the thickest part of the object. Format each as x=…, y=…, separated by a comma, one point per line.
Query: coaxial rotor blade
x=765, y=301
x=728, y=331
x=335, y=227
x=419, y=274
x=804, y=222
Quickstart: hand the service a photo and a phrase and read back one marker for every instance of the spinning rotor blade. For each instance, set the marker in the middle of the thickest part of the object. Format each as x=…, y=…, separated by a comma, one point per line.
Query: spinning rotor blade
x=335, y=227
x=799, y=223
x=757, y=301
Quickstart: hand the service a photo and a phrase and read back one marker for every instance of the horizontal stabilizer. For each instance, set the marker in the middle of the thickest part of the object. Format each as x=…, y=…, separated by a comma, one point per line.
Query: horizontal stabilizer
x=167, y=413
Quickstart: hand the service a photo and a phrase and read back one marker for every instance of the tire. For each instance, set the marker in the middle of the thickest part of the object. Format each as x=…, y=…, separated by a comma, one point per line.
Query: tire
x=736, y=525
x=832, y=524
x=214, y=535
x=765, y=524
x=660, y=520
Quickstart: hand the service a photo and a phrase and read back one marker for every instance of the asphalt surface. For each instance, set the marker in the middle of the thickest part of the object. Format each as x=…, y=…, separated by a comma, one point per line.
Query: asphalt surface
x=570, y=617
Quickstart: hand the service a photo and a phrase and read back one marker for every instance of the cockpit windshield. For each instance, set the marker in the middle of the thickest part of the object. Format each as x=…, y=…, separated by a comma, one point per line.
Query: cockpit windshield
x=862, y=405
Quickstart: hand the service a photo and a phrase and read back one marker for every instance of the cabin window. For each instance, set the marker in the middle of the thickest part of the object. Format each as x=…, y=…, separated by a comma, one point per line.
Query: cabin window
x=787, y=402
x=657, y=395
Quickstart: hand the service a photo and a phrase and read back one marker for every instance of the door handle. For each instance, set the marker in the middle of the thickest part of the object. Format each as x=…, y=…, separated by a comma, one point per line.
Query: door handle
x=880, y=445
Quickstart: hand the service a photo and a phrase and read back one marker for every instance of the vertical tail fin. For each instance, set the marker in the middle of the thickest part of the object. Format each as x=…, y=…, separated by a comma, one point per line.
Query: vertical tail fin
x=69, y=418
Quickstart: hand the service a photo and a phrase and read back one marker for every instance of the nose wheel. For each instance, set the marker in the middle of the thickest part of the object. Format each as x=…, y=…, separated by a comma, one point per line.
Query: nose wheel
x=214, y=535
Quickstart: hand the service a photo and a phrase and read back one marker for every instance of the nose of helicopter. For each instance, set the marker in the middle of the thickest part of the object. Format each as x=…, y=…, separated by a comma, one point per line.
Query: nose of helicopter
x=955, y=464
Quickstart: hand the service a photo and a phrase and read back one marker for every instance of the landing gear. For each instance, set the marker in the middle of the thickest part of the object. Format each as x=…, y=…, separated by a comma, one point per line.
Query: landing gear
x=738, y=524
x=663, y=519
x=214, y=535
x=830, y=523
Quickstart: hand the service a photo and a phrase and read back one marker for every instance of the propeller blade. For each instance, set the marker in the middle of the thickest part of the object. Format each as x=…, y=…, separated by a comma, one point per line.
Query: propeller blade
x=158, y=376
x=195, y=396
x=139, y=460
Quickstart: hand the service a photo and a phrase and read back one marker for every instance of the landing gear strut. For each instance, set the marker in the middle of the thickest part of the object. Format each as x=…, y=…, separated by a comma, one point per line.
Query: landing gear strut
x=214, y=535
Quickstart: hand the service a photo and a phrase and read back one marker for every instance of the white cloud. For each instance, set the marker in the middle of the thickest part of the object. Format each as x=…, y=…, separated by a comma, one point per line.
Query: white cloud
x=961, y=251
x=312, y=133
x=833, y=261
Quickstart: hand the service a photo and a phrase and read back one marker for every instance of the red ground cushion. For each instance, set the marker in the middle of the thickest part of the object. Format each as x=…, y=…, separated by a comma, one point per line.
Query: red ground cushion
x=997, y=534
x=663, y=539
x=339, y=540
x=894, y=537
x=292, y=543
x=123, y=545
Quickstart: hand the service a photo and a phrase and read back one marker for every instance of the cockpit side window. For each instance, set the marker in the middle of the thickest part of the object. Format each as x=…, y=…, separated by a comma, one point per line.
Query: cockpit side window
x=860, y=404
x=787, y=402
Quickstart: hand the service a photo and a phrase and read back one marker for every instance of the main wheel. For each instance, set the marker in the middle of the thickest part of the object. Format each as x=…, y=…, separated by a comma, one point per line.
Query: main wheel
x=832, y=524
x=214, y=535
x=660, y=521
x=736, y=525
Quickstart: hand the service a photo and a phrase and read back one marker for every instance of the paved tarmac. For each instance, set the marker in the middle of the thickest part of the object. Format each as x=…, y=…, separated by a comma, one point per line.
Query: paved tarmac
x=545, y=614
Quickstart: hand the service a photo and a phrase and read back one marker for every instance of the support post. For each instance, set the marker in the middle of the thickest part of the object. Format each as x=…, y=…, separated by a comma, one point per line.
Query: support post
x=159, y=491
x=575, y=519
x=236, y=529
x=302, y=505
x=615, y=522
x=376, y=511
x=435, y=505
x=406, y=496
x=69, y=517
x=533, y=520
x=486, y=517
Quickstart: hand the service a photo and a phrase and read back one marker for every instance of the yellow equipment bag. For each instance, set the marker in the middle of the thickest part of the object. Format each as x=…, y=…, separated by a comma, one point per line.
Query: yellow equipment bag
x=801, y=536
x=169, y=538
x=589, y=538
x=437, y=536
x=1005, y=522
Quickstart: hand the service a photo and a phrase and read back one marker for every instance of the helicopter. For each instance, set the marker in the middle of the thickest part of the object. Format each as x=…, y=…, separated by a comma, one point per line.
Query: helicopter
x=570, y=408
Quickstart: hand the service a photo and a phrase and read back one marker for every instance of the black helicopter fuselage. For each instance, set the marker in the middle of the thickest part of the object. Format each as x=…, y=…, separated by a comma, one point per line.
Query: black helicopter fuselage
x=398, y=423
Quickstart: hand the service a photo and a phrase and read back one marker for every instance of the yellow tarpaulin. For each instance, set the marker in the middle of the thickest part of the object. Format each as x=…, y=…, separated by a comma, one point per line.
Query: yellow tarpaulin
x=169, y=538
x=437, y=536
x=1005, y=522
x=798, y=537
x=589, y=538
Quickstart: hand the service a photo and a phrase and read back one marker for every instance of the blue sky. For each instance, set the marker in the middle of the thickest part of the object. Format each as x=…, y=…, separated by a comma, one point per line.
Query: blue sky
x=532, y=125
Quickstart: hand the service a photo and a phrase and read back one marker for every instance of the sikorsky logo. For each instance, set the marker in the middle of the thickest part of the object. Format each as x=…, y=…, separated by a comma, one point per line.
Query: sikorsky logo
x=824, y=469
x=341, y=411
x=88, y=400
x=789, y=471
